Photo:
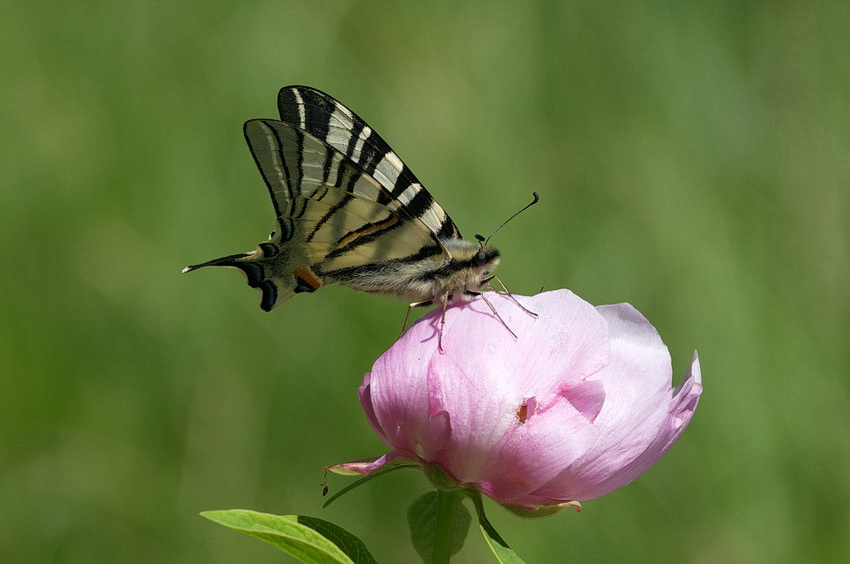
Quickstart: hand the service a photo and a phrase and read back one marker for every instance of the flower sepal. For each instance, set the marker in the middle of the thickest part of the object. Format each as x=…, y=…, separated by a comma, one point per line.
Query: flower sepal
x=369, y=469
x=440, y=480
x=543, y=510
x=353, y=468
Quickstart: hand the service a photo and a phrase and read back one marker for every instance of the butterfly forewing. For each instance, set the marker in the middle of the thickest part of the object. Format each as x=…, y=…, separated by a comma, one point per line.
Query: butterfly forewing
x=323, y=117
x=343, y=214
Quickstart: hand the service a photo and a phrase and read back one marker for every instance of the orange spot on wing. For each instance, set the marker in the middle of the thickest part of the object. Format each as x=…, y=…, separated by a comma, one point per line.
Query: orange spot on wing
x=308, y=277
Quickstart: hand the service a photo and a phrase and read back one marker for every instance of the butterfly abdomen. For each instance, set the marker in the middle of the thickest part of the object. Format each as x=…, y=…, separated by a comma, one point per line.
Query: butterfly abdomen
x=424, y=277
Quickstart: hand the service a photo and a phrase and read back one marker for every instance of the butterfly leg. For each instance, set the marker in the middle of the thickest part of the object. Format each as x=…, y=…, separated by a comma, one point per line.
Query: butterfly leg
x=506, y=292
x=444, y=304
x=499, y=317
x=410, y=306
x=406, y=318
x=445, y=300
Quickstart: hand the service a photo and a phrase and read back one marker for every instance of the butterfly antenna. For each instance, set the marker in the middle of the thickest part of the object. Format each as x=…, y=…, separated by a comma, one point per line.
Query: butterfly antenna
x=483, y=241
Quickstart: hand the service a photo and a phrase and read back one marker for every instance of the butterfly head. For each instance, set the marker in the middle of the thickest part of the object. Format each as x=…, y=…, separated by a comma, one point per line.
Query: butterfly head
x=470, y=267
x=486, y=257
x=482, y=265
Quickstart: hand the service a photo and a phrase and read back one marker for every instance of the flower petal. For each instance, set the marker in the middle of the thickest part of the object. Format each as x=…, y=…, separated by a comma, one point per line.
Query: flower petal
x=640, y=410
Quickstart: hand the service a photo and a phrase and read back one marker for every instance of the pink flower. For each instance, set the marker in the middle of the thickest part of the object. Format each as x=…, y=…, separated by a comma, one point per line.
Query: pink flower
x=578, y=405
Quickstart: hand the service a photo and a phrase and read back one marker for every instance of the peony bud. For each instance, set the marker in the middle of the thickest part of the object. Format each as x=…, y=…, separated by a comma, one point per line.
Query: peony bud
x=579, y=404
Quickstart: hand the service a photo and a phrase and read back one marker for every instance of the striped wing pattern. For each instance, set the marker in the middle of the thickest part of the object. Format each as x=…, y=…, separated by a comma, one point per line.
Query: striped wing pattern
x=319, y=115
x=348, y=209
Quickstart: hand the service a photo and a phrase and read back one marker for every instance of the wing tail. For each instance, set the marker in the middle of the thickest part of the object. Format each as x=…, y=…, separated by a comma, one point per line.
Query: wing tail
x=263, y=271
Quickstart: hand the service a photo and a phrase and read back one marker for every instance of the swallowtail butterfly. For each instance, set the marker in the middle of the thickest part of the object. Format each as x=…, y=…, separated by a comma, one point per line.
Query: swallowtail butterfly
x=349, y=211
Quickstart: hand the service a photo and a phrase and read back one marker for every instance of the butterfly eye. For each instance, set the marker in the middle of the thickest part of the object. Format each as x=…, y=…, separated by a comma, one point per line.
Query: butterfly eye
x=481, y=258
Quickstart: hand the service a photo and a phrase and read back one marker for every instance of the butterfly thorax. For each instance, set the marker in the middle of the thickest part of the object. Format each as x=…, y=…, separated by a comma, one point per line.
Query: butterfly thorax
x=465, y=270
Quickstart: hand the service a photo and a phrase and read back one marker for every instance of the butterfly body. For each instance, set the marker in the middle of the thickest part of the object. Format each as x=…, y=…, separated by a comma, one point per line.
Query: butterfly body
x=349, y=211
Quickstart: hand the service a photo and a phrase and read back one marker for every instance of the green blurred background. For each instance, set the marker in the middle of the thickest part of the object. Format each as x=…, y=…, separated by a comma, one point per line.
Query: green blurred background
x=693, y=159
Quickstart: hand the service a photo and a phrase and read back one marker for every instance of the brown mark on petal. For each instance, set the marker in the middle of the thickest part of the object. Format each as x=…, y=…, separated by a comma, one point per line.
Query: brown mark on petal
x=522, y=412
x=526, y=410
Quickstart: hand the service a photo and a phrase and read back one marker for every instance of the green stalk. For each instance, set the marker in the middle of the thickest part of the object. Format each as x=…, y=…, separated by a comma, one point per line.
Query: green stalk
x=447, y=509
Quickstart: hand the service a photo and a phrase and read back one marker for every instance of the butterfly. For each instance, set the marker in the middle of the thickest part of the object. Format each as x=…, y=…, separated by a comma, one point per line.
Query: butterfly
x=350, y=212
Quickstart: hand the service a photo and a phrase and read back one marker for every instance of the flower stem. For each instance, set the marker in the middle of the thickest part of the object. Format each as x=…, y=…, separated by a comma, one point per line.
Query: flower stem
x=444, y=533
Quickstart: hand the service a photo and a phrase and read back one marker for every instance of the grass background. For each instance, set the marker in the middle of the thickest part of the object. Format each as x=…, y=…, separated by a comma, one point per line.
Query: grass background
x=693, y=159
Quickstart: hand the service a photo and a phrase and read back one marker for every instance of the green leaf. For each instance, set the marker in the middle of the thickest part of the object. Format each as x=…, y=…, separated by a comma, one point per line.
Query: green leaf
x=308, y=539
x=500, y=549
x=503, y=553
x=430, y=514
x=352, y=546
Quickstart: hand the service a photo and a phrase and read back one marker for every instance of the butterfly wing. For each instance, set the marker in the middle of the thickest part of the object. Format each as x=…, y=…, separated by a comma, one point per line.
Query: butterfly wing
x=325, y=118
x=348, y=209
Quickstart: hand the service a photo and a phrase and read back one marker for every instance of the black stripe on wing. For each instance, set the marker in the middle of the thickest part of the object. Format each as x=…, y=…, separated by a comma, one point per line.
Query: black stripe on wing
x=381, y=269
x=332, y=211
x=366, y=235
x=262, y=139
x=313, y=111
x=347, y=175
